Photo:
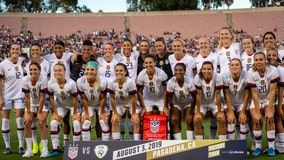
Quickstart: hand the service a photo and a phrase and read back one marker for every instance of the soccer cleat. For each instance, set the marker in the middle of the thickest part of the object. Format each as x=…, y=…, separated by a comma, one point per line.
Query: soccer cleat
x=28, y=154
x=256, y=152
x=271, y=152
x=21, y=150
x=7, y=151
x=44, y=153
x=53, y=154
x=40, y=146
x=35, y=148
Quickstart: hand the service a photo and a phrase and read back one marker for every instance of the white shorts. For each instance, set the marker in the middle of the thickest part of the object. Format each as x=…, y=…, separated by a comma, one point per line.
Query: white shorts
x=17, y=103
x=236, y=108
x=92, y=110
x=261, y=104
x=63, y=110
x=204, y=108
x=121, y=109
x=34, y=109
x=182, y=107
x=150, y=103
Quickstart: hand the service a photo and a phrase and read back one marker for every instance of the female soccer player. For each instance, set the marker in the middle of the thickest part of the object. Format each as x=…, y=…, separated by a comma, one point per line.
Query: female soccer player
x=236, y=95
x=35, y=87
x=181, y=97
x=92, y=90
x=123, y=91
x=65, y=91
x=11, y=76
x=262, y=80
x=179, y=56
x=248, y=51
x=208, y=98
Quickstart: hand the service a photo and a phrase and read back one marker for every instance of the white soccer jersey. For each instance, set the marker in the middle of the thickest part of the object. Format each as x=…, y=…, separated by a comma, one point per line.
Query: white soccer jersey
x=189, y=62
x=106, y=69
x=209, y=88
x=226, y=55
x=130, y=62
x=34, y=89
x=53, y=60
x=281, y=54
x=212, y=57
x=12, y=75
x=236, y=89
x=64, y=96
x=153, y=88
x=122, y=94
x=181, y=94
x=247, y=61
x=45, y=68
x=271, y=75
x=92, y=93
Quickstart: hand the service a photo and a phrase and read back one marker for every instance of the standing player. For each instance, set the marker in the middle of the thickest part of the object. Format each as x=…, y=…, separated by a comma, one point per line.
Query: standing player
x=262, y=80
x=181, y=97
x=123, y=91
x=65, y=90
x=208, y=98
x=228, y=48
x=248, y=51
x=92, y=90
x=144, y=49
x=11, y=76
x=34, y=87
x=179, y=56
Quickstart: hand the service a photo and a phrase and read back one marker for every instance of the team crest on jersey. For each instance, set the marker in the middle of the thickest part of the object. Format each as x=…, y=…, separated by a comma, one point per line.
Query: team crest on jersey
x=60, y=62
x=235, y=87
x=17, y=69
x=208, y=88
x=161, y=62
x=83, y=66
x=262, y=82
x=227, y=53
x=34, y=90
x=91, y=91
x=108, y=67
x=121, y=95
x=101, y=151
x=181, y=92
x=128, y=59
x=154, y=125
x=249, y=60
x=151, y=84
x=167, y=61
x=62, y=93
x=73, y=151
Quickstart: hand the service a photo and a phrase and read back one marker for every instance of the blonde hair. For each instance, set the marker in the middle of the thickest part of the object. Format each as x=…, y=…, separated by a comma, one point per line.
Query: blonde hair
x=233, y=39
x=182, y=43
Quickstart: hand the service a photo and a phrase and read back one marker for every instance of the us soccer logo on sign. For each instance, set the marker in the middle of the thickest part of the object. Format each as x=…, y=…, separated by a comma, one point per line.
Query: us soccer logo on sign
x=154, y=126
x=72, y=152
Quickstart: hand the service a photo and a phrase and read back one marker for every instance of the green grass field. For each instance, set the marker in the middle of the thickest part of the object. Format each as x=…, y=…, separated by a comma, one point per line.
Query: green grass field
x=15, y=155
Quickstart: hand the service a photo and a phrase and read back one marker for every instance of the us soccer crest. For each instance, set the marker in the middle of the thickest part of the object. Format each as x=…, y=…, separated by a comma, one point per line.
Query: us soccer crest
x=101, y=151
x=227, y=53
x=154, y=125
x=73, y=151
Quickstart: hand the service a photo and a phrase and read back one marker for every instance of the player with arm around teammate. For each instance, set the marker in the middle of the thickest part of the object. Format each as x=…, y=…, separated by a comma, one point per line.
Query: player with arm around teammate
x=181, y=97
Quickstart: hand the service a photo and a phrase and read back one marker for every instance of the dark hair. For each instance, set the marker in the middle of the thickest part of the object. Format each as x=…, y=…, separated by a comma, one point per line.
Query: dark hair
x=87, y=43
x=181, y=64
x=127, y=40
x=145, y=40
x=60, y=64
x=237, y=60
x=274, y=49
x=35, y=44
x=266, y=33
x=200, y=74
x=151, y=56
x=161, y=39
x=125, y=68
x=248, y=37
x=16, y=44
x=61, y=43
x=36, y=64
